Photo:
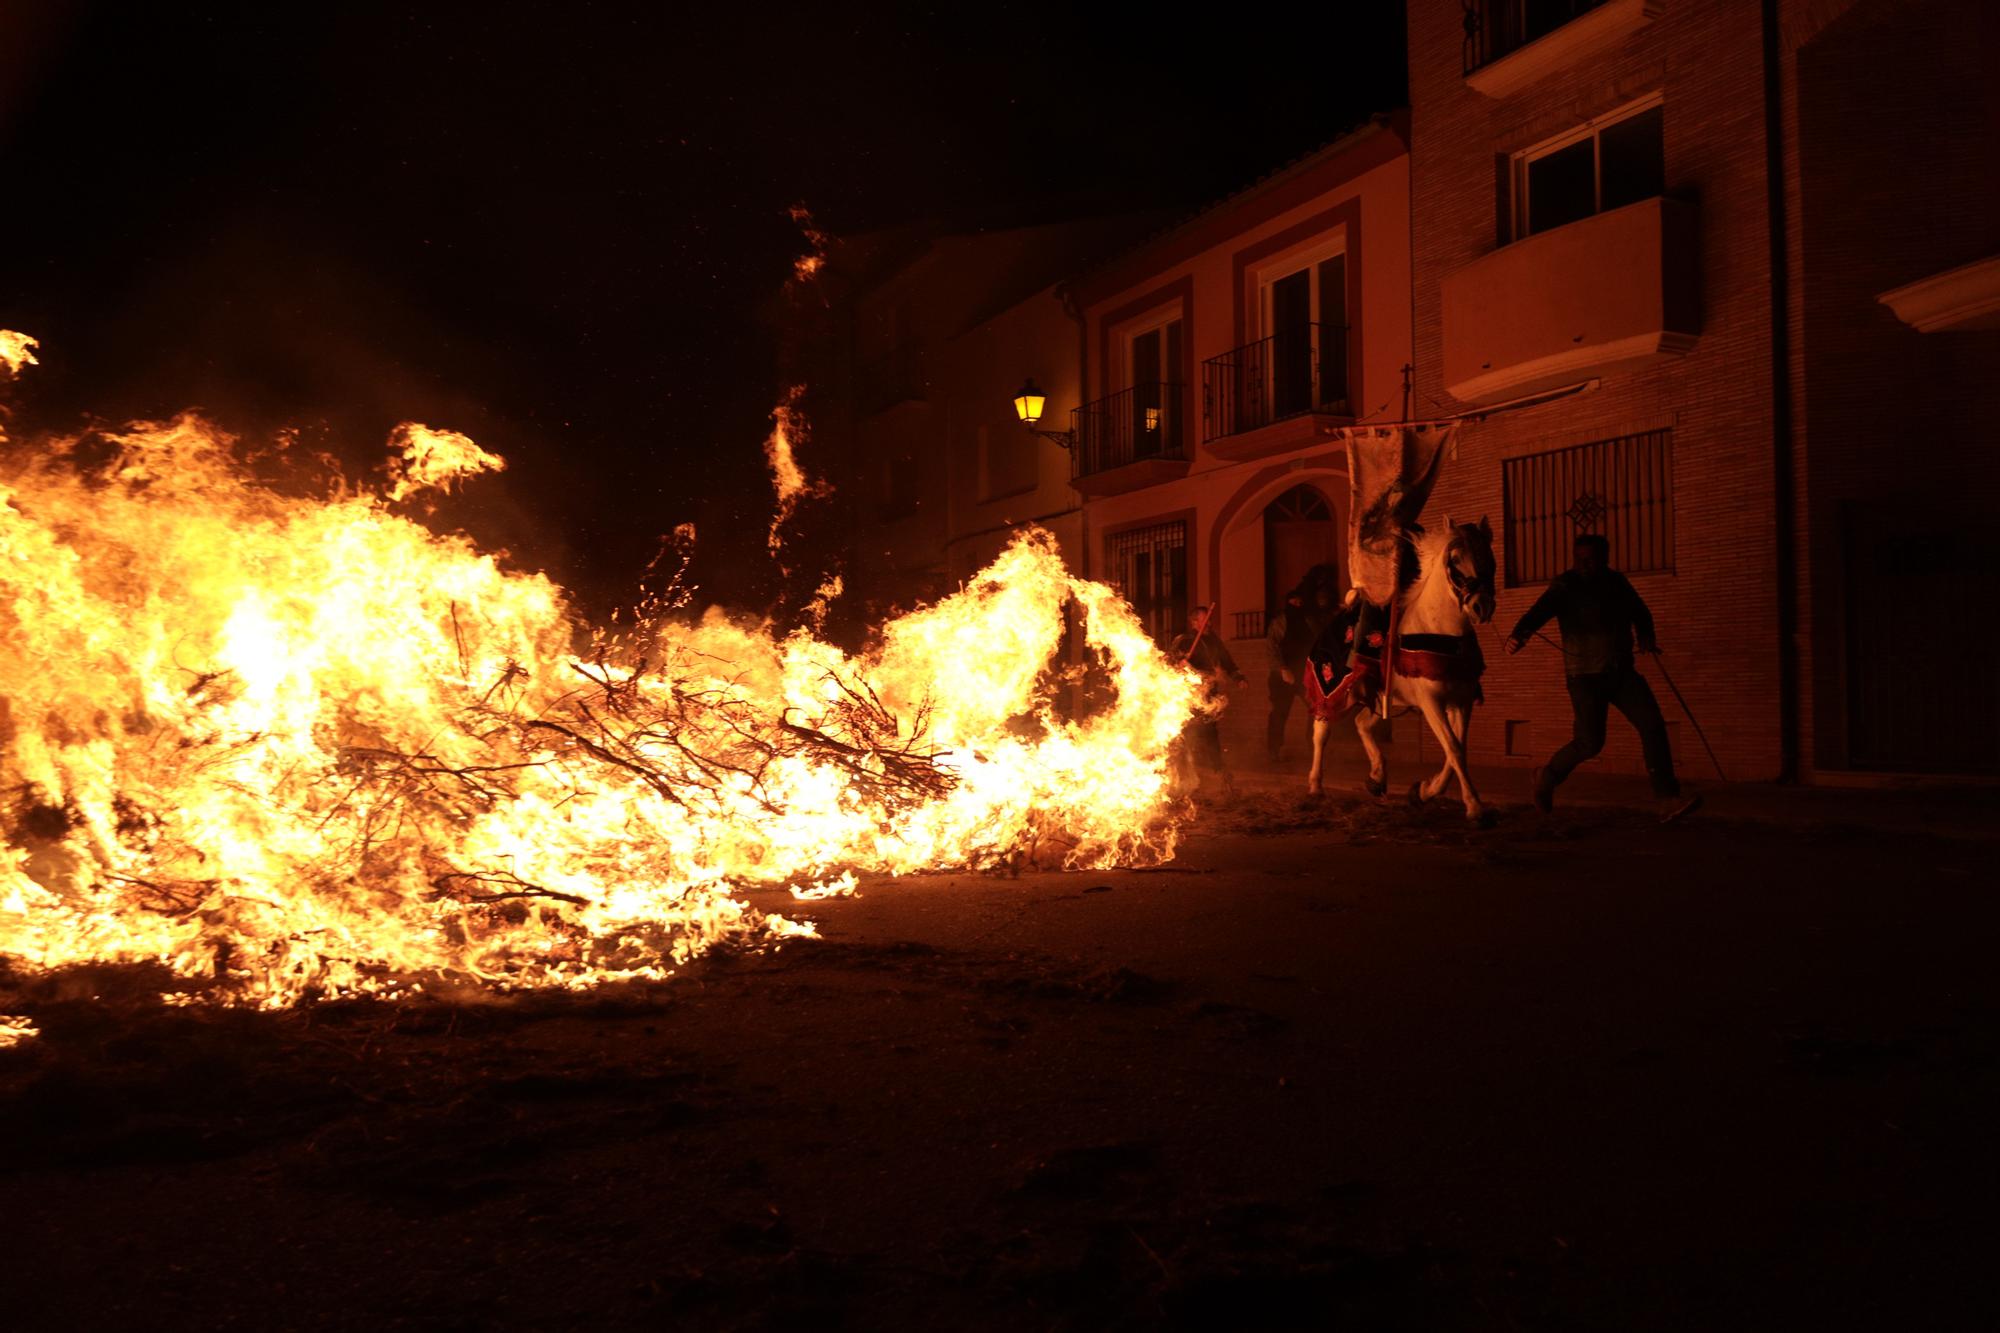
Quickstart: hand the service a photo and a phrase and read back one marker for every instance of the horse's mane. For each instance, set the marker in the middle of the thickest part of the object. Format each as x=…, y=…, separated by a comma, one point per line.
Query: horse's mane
x=1425, y=546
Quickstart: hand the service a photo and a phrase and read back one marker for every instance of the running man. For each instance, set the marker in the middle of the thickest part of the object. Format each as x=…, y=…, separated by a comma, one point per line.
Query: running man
x=1601, y=615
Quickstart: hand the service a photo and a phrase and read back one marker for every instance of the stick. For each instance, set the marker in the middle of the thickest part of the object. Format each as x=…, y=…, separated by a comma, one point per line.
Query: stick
x=1388, y=653
x=1199, y=631
x=1682, y=700
x=1679, y=698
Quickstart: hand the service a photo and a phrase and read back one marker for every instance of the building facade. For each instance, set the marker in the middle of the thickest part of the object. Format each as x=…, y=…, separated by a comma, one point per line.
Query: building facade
x=1689, y=211
x=1221, y=361
x=913, y=345
x=1592, y=204
x=1717, y=279
x=1890, y=125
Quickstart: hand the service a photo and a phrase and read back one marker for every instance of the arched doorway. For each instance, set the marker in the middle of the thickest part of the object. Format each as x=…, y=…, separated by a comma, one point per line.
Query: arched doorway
x=1299, y=533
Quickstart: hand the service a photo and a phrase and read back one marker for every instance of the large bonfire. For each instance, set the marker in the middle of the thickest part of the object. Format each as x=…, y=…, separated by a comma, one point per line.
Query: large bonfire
x=294, y=747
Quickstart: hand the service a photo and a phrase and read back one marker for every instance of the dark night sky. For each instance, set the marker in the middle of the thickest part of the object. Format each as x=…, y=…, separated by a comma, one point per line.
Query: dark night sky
x=551, y=225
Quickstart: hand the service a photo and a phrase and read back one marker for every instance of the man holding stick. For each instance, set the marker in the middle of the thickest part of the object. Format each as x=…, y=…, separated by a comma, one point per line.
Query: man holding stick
x=1201, y=649
x=1601, y=614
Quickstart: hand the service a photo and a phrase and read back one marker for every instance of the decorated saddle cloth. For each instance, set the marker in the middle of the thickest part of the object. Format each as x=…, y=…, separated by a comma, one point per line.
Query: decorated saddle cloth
x=1332, y=686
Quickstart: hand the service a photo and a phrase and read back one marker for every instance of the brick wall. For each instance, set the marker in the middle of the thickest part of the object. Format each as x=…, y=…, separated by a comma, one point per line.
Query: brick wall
x=1718, y=610
x=1893, y=170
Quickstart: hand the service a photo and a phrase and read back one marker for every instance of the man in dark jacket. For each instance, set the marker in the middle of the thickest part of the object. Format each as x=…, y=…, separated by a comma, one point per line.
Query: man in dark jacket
x=1291, y=630
x=1601, y=614
x=1203, y=649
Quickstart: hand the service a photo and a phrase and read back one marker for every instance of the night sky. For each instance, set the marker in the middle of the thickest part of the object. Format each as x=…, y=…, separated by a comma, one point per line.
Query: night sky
x=553, y=226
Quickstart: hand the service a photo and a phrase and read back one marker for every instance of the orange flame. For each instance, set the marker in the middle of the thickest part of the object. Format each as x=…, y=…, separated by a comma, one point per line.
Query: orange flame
x=434, y=460
x=788, y=479
x=294, y=748
x=807, y=266
x=16, y=351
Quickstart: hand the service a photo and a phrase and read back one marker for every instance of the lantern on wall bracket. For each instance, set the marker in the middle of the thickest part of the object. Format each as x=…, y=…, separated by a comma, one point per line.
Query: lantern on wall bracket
x=1028, y=404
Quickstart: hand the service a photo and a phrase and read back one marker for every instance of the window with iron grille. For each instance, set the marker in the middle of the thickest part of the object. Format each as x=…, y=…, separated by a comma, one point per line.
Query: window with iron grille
x=1621, y=488
x=1149, y=568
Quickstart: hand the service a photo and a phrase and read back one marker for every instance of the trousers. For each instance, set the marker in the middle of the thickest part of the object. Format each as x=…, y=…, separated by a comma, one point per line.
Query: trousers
x=1282, y=697
x=1591, y=699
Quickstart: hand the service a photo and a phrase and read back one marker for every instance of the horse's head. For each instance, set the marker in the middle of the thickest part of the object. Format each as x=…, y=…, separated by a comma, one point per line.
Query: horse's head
x=1468, y=563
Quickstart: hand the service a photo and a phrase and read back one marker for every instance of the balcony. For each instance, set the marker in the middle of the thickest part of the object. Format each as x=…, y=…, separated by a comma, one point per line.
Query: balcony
x=1963, y=299
x=1275, y=394
x=1603, y=296
x=1510, y=44
x=1132, y=439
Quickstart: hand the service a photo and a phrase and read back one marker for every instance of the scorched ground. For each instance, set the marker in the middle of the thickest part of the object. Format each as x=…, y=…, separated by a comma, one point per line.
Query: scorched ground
x=1336, y=1066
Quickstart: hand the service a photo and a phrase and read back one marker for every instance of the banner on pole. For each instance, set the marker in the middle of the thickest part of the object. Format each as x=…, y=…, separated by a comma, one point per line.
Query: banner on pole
x=1390, y=471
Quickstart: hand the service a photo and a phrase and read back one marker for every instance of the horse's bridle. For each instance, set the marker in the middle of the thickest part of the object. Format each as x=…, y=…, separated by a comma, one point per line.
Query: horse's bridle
x=1463, y=585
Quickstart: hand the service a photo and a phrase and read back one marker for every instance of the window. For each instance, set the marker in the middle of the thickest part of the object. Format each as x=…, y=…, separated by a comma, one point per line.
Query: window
x=1494, y=28
x=1305, y=318
x=1622, y=488
x=1153, y=373
x=1606, y=163
x=1149, y=568
x=1154, y=354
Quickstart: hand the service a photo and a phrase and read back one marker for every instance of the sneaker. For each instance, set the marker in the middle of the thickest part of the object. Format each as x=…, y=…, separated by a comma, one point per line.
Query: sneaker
x=1545, y=790
x=1673, y=807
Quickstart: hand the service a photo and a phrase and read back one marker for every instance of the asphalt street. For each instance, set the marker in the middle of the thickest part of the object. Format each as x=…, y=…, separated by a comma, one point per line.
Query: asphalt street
x=1338, y=1065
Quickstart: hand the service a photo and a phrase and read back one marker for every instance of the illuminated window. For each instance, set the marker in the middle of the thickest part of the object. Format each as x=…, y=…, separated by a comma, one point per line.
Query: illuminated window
x=1152, y=389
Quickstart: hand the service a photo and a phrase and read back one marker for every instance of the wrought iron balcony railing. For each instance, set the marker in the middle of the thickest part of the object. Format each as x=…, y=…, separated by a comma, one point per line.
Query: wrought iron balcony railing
x=1285, y=375
x=1496, y=28
x=1138, y=423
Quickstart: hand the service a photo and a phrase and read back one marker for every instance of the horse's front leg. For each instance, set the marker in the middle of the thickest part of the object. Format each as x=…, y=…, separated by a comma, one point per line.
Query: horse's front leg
x=1450, y=739
x=1459, y=719
x=1378, y=772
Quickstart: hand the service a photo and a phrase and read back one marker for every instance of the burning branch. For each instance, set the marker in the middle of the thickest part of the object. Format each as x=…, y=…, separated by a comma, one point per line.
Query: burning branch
x=295, y=747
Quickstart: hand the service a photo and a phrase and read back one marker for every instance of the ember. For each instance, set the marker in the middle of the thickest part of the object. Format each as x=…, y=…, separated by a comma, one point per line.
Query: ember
x=297, y=748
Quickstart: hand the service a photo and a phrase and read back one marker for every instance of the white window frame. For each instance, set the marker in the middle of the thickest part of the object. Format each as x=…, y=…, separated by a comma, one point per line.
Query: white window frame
x=1592, y=129
x=1133, y=330
x=1308, y=259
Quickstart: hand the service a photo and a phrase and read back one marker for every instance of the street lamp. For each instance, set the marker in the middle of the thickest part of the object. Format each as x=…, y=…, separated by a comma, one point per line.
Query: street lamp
x=1028, y=406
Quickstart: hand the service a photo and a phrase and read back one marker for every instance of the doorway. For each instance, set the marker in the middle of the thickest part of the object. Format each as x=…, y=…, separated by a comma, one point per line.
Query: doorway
x=1301, y=534
x=1920, y=697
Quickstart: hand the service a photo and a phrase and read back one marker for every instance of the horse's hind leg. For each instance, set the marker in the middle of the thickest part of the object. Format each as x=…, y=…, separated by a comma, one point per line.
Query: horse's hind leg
x=1378, y=774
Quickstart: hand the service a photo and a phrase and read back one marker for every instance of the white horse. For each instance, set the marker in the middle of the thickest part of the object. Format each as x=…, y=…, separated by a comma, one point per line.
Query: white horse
x=1451, y=596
